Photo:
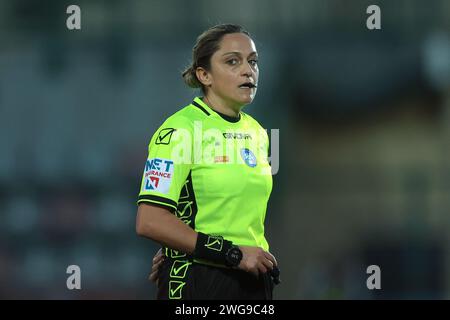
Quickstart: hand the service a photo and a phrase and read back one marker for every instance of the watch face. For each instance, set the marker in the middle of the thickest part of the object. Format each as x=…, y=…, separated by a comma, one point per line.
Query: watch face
x=234, y=256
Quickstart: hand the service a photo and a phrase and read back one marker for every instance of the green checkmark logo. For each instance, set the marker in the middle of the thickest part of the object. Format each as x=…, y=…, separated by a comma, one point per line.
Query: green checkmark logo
x=184, y=194
x=165, y=135
x=187, y=221
x=179, y=268
x=214, y=243
x=175, y=288
x=176, y=254
x=182, y=213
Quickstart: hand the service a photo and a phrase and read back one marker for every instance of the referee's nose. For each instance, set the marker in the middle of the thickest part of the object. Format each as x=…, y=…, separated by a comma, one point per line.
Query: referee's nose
x=247, y=71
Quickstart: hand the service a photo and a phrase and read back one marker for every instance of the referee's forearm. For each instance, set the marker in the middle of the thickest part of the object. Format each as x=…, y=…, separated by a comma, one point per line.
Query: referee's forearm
x=162, y=226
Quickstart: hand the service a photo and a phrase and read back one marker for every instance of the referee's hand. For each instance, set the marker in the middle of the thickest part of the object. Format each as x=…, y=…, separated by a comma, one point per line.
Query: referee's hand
x=256, y=261
x=156, y=264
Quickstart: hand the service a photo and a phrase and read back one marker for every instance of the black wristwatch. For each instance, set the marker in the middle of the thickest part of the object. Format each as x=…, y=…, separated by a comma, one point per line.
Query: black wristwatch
x=233, y=256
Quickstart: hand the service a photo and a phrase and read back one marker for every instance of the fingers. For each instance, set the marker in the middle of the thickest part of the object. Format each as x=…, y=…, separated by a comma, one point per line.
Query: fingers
x=268, y=265
x=155, y=271
x=271, y=257
x=153, y=276
x=258, y=269
x=257, y=261
x=156, y=264
x=158, y=259
x=261, y=268
x=158, y=253
x=158, y=256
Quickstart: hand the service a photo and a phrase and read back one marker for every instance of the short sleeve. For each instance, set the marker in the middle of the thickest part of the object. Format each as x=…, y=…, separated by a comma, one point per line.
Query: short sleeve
x=168, y=164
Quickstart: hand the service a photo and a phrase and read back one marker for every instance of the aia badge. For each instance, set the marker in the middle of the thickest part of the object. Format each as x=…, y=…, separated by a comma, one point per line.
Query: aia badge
x=165, y=135
x=248, y=157
x=158, y=175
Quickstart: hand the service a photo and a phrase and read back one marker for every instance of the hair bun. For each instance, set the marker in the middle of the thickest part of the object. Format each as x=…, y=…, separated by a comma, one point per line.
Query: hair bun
x=190, y=78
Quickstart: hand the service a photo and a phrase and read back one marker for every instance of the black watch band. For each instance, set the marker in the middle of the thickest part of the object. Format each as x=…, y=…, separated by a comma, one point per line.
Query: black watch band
x=211, y=248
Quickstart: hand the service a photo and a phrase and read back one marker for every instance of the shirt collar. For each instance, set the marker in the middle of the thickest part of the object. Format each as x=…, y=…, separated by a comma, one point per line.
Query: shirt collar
x=208, y=110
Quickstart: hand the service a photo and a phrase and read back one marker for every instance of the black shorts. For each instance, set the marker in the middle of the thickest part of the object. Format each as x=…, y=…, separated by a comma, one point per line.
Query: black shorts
x=187, y=280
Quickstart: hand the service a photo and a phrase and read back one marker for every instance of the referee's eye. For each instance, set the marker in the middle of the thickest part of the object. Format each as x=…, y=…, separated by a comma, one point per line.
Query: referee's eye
x=232, y=62
x=253, y=62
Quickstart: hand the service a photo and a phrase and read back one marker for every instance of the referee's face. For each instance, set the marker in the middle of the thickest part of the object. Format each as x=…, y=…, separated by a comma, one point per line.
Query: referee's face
x=234, y=70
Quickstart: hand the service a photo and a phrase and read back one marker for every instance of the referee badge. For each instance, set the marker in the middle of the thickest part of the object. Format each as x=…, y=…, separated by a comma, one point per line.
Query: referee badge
x=248, y=157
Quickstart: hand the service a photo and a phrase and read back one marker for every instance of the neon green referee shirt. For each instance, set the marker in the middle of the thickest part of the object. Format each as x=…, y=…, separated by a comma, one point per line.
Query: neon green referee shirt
x=212, y=172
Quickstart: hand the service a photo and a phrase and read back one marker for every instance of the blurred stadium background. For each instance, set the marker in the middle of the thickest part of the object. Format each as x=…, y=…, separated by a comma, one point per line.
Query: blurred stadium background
x=364, y=119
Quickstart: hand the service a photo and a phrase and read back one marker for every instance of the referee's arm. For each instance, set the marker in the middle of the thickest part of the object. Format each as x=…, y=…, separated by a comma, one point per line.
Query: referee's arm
x=162, y=226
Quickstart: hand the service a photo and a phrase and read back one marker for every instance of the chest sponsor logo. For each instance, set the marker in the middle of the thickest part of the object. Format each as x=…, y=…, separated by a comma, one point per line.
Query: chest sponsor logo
x=248, y=157
x=236, y=135
x=158, y=175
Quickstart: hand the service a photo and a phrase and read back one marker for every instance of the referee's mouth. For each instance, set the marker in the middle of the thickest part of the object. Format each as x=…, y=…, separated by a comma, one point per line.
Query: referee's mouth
x=248, y=85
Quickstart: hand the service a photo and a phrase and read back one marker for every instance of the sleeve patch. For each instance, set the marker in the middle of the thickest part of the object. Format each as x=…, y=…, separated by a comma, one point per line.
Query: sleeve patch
x=158, y=175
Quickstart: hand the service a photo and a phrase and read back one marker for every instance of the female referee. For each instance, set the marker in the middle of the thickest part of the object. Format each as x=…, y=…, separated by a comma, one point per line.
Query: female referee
x=207, y=180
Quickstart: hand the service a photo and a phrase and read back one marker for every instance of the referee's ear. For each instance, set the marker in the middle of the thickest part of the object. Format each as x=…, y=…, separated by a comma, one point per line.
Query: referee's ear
x=203, y=76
